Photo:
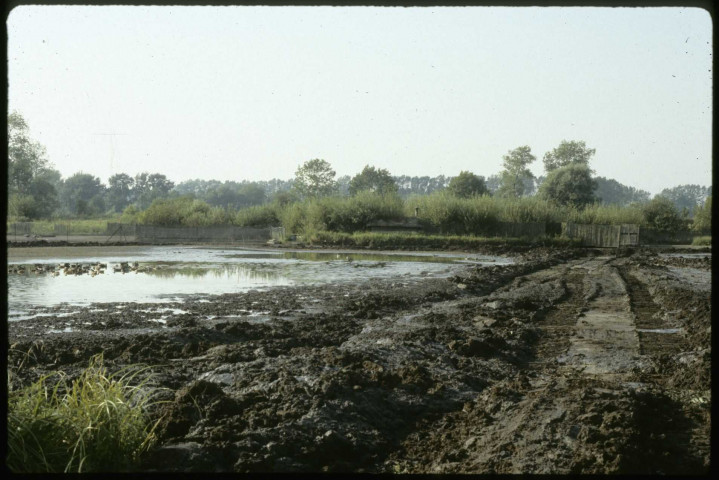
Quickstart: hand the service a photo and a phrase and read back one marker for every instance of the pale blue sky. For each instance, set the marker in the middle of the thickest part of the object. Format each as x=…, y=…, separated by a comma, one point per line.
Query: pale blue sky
x=233, y=93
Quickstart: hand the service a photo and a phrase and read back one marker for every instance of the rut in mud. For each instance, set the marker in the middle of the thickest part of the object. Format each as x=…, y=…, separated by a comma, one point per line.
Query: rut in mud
x=563, y=363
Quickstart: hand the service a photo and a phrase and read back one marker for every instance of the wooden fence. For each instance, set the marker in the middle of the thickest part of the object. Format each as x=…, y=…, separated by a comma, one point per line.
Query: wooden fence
x=626, y=235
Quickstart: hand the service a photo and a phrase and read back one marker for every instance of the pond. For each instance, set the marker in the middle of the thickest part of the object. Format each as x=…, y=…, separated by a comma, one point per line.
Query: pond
x=43, y=277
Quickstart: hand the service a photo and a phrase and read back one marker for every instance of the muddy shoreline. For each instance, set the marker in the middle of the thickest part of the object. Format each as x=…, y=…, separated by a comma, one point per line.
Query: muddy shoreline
x=568, y=361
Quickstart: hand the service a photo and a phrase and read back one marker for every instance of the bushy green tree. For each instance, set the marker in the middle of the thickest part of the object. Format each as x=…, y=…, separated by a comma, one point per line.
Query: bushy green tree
x=703, y=217
x=662, y=214
x=149, y=187
x=120, y=191
x=314, y=179
x=567, y=153
x=571, y=185
x=516, y=173
x=31, y=182
x=377, y=180
x=82, y=194
x=467, y=184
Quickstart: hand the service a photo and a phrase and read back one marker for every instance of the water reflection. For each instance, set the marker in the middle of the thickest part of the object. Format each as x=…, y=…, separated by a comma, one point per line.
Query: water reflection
x=166, y=273
x=355, y=257
x=150, y=286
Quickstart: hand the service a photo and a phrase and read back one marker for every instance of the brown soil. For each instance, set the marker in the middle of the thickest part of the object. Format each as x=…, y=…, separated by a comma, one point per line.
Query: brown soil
x=567, y=362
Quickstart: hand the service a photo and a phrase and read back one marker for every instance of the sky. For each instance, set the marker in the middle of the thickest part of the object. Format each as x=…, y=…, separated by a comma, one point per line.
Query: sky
x=251, y=93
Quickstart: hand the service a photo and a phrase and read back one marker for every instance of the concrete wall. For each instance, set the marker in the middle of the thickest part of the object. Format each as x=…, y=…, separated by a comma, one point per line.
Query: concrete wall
x=156, y=234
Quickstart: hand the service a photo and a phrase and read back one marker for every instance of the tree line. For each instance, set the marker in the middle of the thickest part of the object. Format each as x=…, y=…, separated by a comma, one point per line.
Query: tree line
x=36, y=190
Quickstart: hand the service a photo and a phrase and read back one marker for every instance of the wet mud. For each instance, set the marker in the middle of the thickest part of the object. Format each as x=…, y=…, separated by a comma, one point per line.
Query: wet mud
x=567, y=361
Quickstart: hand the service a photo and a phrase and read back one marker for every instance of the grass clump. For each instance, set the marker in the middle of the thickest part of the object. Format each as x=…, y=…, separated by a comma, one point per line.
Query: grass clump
x=97, y=422
x=702, y=241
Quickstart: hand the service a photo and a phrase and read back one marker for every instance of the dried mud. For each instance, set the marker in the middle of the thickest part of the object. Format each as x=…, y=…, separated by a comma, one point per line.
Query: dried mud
x=565, y=362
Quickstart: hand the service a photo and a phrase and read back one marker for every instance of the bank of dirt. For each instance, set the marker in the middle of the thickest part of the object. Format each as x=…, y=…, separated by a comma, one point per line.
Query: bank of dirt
x=568, y=361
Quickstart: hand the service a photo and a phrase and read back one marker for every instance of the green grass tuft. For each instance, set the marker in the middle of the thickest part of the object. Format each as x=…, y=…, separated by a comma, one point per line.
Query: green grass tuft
x=704, y=240
x=97, y=422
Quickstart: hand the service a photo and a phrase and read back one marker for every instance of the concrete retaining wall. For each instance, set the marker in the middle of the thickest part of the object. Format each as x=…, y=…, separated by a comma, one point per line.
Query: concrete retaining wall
x=156, y=234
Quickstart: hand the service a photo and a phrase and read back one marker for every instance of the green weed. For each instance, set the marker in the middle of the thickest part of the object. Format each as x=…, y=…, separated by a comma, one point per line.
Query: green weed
x=96, y=422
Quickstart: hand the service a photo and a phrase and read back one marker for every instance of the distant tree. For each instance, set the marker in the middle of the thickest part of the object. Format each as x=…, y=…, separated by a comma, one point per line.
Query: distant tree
x=570, y=185
x=120, y=191
x=703, y=217
x=467, y=184
x=32, y=185
x=82, y=194
x=149, y=187
x=611, y=192
x=44, y=193
x=26, y=158
x=343, y=185
x=493, y=183
x=662, y=214
x=515, y=174
x=567, y=153
x=285, y=197
x=377, y=180
x=236, y=195
x=315, y=178
x=196, y=187
x=687, y=196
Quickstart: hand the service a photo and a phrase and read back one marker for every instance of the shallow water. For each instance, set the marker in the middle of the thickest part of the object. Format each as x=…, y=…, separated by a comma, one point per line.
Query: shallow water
x=172, y=272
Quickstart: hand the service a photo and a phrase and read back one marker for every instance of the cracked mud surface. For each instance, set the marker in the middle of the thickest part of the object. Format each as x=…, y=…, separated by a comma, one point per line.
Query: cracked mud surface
x=566, y=362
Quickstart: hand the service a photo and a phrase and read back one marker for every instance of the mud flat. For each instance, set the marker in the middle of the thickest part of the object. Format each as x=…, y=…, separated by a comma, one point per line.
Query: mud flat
x=563, y=362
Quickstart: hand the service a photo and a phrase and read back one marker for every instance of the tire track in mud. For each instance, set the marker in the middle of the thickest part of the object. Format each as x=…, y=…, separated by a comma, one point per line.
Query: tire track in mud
x=676, y=418
x=576, y=406
x=656, y=337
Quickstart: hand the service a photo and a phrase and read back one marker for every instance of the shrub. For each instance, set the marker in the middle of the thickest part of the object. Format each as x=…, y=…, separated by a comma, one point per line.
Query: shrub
x=704, y=240
x=257, y=216
x=662, y=214
x=96, y=423
x=703, y=217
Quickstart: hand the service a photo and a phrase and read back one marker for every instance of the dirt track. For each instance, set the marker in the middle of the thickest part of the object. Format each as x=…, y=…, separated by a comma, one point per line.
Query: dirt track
x=570, y=362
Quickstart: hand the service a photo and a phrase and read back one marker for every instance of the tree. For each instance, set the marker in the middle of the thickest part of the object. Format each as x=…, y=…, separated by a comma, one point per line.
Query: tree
x=149, y=187
x=32, y=183
x=120, y=191
x=82, y=194
x=567, y=153
x=516, y=172
x=467, y=184
x=611, y=192
x=374, y=180
x=315, y=178
x=571, y=185
x=43, y=191
x=687, y=196
x=703, y=217
x=26, y=158
x=662, y=214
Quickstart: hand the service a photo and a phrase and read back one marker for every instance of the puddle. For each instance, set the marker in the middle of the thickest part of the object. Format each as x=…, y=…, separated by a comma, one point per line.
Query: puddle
x=697, y=278
x=659, y=330
x=157, y=274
